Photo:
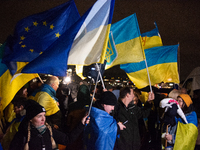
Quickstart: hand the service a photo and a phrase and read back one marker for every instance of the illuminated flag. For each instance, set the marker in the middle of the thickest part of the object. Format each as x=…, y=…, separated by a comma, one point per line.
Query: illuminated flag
x=151, y=39
x=124, y=45
x=10, y=85
x=162, y=67
x=84, y=42
x=90, y=43
x=36, y=33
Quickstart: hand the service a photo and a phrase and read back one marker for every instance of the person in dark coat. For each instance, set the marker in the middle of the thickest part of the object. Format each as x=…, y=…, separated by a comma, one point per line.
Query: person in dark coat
x=128, y=113
x=34, y=133
x=76, y=113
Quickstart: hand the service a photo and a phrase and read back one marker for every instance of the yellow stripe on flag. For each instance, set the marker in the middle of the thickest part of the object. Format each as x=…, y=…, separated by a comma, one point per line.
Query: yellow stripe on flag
x=158, y=73
x=186, y=136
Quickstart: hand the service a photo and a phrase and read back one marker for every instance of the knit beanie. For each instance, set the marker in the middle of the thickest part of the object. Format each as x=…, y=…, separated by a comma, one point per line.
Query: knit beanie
x=186, y=99
x=33, y=109
x=108, y=98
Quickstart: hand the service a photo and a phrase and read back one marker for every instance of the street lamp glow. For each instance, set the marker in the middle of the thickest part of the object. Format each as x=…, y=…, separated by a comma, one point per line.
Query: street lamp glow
x=67, y=80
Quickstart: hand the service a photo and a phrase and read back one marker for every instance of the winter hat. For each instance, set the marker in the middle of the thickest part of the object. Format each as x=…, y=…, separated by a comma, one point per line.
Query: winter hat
x=186, y=99
x=32, y=109
x=108, y=98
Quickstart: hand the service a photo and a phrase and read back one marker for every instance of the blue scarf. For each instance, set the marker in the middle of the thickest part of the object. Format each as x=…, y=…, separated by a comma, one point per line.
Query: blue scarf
x=48, y=89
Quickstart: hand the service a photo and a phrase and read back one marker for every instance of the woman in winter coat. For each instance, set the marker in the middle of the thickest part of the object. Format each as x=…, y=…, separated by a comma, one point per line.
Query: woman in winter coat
x=35, y=134
x=185, y=135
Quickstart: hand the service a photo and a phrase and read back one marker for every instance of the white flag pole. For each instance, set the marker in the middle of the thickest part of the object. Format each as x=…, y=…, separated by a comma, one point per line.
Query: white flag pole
x=146, y=65
x=148, y=75
x=93, y=94
x=98, y=69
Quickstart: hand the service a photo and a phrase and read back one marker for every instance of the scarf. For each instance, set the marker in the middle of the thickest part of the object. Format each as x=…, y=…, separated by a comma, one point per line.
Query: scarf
x=41, y=129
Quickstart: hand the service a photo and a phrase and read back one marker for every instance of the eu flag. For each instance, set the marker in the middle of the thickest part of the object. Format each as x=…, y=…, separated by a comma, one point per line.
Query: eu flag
x=35, y=33
x=83, y=41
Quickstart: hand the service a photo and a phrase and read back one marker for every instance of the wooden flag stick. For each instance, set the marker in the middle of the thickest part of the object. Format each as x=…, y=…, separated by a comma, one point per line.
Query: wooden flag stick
x=166, y=139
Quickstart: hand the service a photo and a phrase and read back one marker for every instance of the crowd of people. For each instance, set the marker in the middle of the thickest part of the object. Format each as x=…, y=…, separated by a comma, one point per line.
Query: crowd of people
x=78, y=116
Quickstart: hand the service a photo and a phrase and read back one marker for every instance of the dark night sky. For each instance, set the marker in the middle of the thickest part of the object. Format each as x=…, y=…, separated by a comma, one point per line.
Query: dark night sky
x=178, y=22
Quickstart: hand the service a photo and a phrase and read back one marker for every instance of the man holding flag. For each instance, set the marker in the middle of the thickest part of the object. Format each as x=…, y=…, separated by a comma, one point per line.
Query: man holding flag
x=129, y=113
x=101, y=132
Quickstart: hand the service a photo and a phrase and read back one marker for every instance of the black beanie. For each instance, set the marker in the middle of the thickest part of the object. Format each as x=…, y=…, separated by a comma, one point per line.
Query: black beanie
x=108, y=98
x=33, y=109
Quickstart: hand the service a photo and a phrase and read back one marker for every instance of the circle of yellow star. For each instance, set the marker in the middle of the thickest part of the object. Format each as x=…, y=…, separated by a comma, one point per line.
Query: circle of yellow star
x=57, y=34
x=35, y=23
x=22, y=37
x=51, y=26
x=23, y=46
x=45, y=23
x=27, y=29
x=31, y=50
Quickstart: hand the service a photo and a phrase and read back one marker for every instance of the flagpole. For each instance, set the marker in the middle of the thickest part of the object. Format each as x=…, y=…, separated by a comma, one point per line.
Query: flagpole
x=98, y=69
x=93, y=94
x=144, y=55
x=179, y=67
x=40, y=79
x=99, y=75
x=146, y=66
x=148, y=75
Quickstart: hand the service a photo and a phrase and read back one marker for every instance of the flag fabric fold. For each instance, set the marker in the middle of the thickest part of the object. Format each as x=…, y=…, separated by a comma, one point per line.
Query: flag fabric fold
x=91, y=41
x=124, y=45
x=34, y=34
x=186, y=136
x=151, y=39
x=162, y=67
x=10, y=85
x=55, y=59
x=101, y=132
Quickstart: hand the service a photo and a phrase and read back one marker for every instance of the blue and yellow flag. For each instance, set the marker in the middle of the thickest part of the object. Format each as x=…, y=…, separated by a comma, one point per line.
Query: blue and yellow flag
x=36, y=33
x=90, y=43
x=83, y=43
x=151, y=39
x=162, y=67
x=186, y=136
x=10, y=85
x=101, y=132
x=124, y=44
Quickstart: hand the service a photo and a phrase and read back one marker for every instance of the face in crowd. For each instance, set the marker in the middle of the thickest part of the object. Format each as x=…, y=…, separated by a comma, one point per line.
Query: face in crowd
x=130, y=96
x=108, y=108
x=180, y=102
x=55, y=85
x=38, y=120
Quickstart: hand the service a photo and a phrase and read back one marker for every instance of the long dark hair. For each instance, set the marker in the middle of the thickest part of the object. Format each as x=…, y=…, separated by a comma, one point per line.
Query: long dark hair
x=187, y=109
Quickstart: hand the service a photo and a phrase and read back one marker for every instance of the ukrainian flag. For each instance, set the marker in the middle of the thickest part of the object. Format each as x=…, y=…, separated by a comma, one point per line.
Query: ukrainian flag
x=162, y=67
x=90, y=43
x=101, y=132
x=10, y=85
x=151, y=39
x=83, y=43
x=35, y=33
x=186, y=136
x=124, y=45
